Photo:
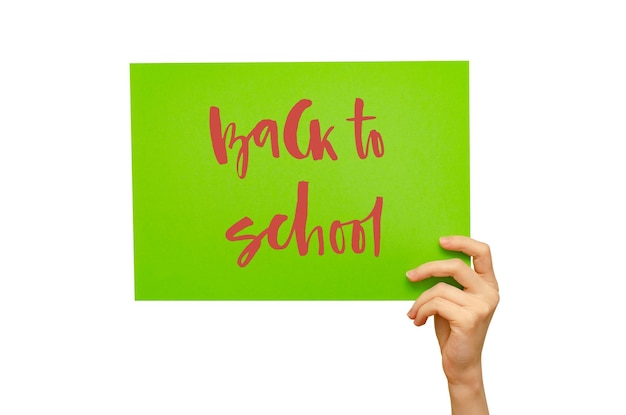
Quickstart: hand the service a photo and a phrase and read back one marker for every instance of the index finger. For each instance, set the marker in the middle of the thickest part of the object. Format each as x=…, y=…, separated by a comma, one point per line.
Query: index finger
x=479, y=251
x=446, y=268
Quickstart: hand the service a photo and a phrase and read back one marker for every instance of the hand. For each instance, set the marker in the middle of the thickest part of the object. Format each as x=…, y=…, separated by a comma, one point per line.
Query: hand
x=461, y=316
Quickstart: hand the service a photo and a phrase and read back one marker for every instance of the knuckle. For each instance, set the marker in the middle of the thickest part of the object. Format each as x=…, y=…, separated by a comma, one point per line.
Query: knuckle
x=484, y=248
x=457, y=263
x=496, y=299
x=436, y=291
x=440, y=287
x=484, y=311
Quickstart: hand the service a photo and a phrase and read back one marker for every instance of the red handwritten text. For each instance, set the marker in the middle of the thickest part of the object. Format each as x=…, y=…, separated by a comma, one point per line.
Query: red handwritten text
x=336, y=233
x=268, y=129
x=374, y=139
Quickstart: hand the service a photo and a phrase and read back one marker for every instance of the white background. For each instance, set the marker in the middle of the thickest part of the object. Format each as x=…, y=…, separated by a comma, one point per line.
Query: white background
x=548, y=123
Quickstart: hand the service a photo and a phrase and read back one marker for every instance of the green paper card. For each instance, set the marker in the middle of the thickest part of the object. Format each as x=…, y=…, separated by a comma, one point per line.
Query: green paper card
x=296, y=181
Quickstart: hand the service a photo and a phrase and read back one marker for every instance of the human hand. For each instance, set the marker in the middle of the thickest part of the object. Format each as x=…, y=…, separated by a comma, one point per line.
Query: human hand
x=461, y=316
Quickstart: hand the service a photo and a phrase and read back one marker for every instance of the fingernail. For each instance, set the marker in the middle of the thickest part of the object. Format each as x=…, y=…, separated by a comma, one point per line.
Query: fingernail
x=444, y=240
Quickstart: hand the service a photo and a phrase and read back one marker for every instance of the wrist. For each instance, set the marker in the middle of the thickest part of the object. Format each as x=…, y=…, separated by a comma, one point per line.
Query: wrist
x=468, y=377
x=467, y=393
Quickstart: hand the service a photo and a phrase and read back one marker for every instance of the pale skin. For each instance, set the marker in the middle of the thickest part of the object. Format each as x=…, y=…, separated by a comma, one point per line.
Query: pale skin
x=461, y=318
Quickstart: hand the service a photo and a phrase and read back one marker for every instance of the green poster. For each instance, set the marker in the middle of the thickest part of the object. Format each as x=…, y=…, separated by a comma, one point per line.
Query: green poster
x=296, y=181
